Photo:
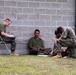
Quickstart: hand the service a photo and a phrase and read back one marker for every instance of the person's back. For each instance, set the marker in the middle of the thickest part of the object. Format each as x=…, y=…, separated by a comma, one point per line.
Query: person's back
x=68, y=33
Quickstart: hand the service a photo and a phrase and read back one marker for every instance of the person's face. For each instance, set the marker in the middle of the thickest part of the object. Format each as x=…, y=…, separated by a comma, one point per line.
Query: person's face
x=37, y=34
x=59, y=35
x=7, y=23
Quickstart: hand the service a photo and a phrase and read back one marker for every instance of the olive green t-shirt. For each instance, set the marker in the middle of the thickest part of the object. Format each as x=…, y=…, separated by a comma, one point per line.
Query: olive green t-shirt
x=36, y=42
x=2, y=28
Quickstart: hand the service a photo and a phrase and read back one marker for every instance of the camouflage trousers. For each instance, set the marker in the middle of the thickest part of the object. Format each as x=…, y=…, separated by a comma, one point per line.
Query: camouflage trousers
x=40, y=52
x=69, y=43
x=10, y=40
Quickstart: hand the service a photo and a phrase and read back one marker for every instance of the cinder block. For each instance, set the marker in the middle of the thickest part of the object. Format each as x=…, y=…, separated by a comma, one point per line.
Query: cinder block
x=71, y=12
x=4, y=9
x=51, y=23
x=50, y=41
x=53, y=31
x=28, y=10
x=70, y=1
x=16, y=22
x=22, y=17
x=1, y=3
x=33, y=4
x=34, y=17
x=56, y=18
x=39, y=0
x=62, y=12
x=71, y=24
x=11, y=28
x=22, y=52
x=56, y=5
x=28, y=35
x=67, y=18
x=1, y=15
x=50, y=11
x=45, y=5
x=22, y=28
x=10, y=3
x=40, y=11
x=16, y=10
x=50, y=0
x=18, y=34
x=48, y=44
x=1, y=20
x=28, y=22
x=40, y=23
x=43, y=29
x=22, y=4
x=31, y=29
x=68, y=6
x=10, y=16
x=44, y=17
x=63, y=24
x=27, y=0
x=62, y=0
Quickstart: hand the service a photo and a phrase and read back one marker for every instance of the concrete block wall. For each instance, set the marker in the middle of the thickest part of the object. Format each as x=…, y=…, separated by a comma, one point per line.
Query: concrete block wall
x=28, y=15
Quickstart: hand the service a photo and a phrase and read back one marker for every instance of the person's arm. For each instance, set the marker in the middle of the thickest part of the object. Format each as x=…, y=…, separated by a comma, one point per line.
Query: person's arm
x=42, y=45
x=30, y=43
x=5, y=34
x=64, y=34
x=55, y=40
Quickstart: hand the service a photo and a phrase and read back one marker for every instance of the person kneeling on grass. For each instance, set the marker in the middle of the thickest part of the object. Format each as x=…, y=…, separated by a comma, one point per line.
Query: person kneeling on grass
x=58, y=34
x=8, y=38
x=68, y=40
x=36, y=45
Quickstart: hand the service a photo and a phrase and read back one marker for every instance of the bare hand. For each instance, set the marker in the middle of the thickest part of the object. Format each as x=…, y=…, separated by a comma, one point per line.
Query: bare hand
x=42, y=48
x=64, y=49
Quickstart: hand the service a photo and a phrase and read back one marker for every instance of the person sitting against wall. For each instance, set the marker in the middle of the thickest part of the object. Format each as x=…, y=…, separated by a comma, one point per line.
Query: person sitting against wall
x=68, y=40
x=8, y=38
x=36, y=45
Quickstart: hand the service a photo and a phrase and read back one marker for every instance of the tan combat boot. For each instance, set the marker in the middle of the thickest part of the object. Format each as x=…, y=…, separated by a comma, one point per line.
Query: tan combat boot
x=13, y=53
x=59, y=55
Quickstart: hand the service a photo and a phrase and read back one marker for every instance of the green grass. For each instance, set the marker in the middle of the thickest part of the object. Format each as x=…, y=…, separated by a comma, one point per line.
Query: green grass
x=35, y=65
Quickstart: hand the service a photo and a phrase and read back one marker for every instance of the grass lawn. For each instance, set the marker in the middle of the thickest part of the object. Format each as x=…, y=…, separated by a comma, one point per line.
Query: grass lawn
x=35, y=65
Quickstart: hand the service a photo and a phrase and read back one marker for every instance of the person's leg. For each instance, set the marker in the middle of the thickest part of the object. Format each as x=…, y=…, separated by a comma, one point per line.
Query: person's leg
x=47, y=51
x=64, y=53
x=61, y=43
x=72, y=52
x=13, y=46
x=33, y=52
x=12, y=42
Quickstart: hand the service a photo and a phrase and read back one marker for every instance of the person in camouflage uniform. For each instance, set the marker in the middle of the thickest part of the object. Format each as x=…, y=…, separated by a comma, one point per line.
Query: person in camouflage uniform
x=8, y=38
x=68, y=40
x=58, y=33
x=36, y=45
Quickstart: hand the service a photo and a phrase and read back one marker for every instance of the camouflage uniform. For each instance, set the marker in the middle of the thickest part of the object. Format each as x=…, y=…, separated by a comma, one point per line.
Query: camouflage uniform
x=67, y=40
x=10, y=40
